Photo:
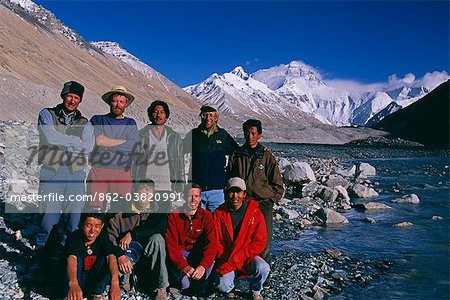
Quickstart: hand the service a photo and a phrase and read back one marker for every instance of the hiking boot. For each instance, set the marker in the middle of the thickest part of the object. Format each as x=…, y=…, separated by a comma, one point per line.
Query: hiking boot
x=161, y=294
x=257, y=297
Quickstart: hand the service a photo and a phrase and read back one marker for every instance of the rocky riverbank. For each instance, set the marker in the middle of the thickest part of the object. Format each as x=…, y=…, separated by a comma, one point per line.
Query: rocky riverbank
x=319, y=192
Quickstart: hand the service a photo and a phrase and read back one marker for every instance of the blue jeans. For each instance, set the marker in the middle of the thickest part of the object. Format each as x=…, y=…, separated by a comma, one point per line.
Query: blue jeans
x=260, y=270
x=212, y=199
x=181, y=280
x=94, y=281
x=61, y=182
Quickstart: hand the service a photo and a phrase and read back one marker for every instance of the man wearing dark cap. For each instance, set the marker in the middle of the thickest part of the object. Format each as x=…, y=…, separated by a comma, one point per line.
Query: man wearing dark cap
x=241, y=232
x=116, y=138
x=65, y=139
x=209, y=145
x=260, y=171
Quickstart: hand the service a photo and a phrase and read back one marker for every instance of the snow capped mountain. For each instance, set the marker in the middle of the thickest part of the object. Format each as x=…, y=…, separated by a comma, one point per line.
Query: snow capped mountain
x=299, y=87
x=44, y=18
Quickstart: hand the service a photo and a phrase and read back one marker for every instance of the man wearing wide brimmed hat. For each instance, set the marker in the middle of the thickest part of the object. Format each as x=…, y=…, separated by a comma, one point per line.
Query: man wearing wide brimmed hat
x=116, y=137
x=209, y=145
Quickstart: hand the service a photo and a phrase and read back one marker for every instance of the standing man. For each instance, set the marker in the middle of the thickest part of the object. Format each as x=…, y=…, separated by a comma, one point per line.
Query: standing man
x=65, y=140
x=261, y=173
x=191, y=244
x=160, y=152
x=144, y=228
x=209, y=144
x=116, y=138
x=241, y=232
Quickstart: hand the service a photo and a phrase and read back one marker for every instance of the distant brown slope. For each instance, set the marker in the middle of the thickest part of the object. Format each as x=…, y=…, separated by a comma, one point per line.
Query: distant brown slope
x=425, y=121
x=31, y=54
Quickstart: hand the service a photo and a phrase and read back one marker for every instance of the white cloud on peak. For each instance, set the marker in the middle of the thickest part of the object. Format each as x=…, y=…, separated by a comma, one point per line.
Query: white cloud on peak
x=430, y=80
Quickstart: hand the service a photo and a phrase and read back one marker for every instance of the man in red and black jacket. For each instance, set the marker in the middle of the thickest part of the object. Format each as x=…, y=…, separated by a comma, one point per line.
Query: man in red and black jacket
x=191, y=244
x=242, y=237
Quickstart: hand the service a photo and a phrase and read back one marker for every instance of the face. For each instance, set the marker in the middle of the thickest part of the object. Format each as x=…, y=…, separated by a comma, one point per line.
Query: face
x=252, y=137
x=158, y=116
x=209, y=119
x=194, y=199
x=71, y=102
x=92, y=228
x=146, y=194
x=118, y=104
x=235, y=197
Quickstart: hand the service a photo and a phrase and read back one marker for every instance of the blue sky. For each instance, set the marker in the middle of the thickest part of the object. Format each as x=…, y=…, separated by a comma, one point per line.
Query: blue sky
x=363, y=41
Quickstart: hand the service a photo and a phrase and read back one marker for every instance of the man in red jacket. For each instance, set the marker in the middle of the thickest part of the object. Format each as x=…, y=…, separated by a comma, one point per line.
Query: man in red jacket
x=191, y=244
x=242, y=236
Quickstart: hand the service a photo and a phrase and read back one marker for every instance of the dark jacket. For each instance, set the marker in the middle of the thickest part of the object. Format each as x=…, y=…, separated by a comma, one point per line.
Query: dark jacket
x=192, y=234
x=236, y=253
x=175, y=156
x=260, y=172
x=51, y=156
x=208, y=156
x=141, y=226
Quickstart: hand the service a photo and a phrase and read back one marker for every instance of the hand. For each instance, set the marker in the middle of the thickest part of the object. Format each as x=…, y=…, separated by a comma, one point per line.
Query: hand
x=188, y=271
x=125, y=265
x=198, y=273
x=75, y=292
x=114, y=292
x=125, y=241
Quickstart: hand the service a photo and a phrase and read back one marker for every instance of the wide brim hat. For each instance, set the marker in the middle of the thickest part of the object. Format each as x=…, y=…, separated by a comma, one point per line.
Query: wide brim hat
x=118, y=89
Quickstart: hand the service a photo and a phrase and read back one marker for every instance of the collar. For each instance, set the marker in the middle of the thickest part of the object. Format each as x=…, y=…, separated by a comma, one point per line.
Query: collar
x=259, y=150
x=59, y=110
x=209, y=133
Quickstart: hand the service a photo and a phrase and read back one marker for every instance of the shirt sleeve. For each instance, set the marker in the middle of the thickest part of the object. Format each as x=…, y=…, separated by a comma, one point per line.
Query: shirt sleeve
x=132, y=139
x=173, y=247
x=87, y=140
x=53, y=137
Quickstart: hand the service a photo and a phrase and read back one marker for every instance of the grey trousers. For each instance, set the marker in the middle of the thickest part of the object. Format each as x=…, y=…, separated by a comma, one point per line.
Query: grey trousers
x=155, y=251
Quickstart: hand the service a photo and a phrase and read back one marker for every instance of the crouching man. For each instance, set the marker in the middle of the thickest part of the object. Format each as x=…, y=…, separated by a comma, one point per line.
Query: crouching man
x=191, y=244
x=241, y=231
x=91, y=261
x=142, y=229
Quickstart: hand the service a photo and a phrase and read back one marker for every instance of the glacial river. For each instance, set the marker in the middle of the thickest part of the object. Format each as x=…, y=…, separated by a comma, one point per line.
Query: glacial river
x=419, y=254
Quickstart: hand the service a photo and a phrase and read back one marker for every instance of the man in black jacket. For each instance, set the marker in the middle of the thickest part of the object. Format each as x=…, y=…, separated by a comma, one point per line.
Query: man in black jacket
x=209, y=145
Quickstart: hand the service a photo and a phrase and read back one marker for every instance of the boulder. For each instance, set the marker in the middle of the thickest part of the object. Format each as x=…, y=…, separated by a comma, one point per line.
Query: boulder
x=342, y=193
x=283, y=163
x=362, y=191
x=289, y=213
x=437, y=218
x=326, y=216
x=350, y=172
x=367, y=169
x=298, y=172
x=407, y=199
x=335, y=180
x=310, y=189
x=372, y=206
x=328, y=194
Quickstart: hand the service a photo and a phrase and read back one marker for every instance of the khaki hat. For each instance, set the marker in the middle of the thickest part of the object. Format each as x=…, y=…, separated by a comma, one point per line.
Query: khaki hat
x=118, y=89
x=236, y=182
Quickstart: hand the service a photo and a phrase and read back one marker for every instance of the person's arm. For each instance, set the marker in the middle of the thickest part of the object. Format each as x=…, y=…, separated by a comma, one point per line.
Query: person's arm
x=108, y=142
x=114, y=290
x=258, y=238
x=75, y=291
x=274, y=178
x=210, y=248
x=53, y=137
x=130, y=142
x=87, y=140
x=173, y=248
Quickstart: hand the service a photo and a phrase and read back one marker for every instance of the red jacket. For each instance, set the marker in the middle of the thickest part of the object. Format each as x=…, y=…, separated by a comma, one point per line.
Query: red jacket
x=182, y=234
x=236, y=254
